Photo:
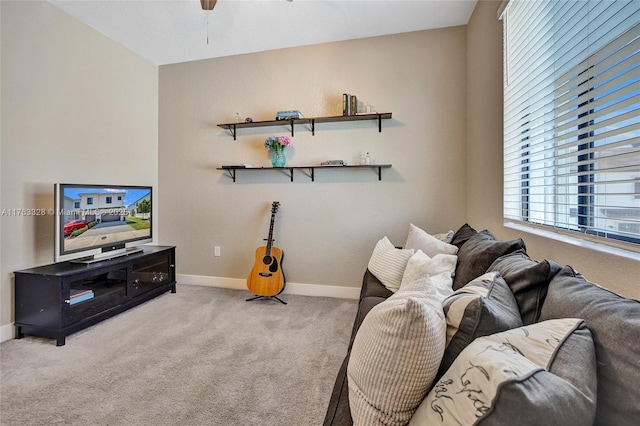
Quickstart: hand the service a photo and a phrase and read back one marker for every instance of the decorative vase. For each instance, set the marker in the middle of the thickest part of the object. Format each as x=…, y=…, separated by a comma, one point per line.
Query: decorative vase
x=277, y=157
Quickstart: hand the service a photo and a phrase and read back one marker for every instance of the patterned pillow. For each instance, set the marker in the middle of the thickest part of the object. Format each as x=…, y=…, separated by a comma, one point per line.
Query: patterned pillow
x=420, y=240
x=395, y=356
x=484, y=306
x=387, y=263
x=478, y=253
x=519, y=377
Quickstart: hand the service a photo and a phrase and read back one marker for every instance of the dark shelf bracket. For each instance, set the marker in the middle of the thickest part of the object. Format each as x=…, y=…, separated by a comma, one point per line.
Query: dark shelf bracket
x=232, y=173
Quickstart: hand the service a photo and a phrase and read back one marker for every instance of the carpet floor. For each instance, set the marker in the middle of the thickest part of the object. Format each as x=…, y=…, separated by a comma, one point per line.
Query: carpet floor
x=201, y=356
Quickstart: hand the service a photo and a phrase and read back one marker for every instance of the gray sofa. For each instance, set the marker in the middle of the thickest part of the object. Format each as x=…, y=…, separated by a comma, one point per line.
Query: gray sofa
x=543, y=291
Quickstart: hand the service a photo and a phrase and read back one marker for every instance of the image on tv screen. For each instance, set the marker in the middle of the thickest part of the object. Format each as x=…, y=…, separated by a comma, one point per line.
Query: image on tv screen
x=95, y=217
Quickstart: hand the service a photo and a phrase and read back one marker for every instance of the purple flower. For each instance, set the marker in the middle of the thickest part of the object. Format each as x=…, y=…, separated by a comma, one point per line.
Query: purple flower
x=277, y=142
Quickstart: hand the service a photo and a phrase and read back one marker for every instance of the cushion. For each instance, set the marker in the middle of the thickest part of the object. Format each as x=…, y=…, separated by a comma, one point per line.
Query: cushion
x=462, y=235
x=614, y=322
x=420, y=240
x=447, y=237
x=528, y=281
x=395, y=356
x=478, y=253
x=387, y=263
x=438, y=270
x=543, y=373
x=482, y=307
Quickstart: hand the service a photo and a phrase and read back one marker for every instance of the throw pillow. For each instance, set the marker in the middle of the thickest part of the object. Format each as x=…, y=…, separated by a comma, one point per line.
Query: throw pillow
x=419, y=239
x=519, y=377
x=395, y=356
x=387, y=263
x=478, y=253
x=447, y=237
x=528, y=281
x=462, y=235
x=614, y=322
x=484, y=306
x=438, y=270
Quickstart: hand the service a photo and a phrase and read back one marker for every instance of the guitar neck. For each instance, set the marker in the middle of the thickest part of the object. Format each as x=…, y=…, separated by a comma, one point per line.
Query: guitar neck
x=270, y=239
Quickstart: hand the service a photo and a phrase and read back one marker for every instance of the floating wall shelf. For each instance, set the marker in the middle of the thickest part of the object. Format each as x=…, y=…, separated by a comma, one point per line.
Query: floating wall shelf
x=379, y=116
x=311, y=169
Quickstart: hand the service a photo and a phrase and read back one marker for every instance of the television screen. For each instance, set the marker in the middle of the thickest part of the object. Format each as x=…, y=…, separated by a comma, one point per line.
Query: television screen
x=94, y=222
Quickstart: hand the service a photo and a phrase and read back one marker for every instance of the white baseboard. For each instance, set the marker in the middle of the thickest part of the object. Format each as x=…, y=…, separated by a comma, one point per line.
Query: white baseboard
x=6, y=332
x=317, y=290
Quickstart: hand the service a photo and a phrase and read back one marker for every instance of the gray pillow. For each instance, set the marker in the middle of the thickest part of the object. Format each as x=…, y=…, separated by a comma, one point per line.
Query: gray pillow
x=614, y=322
x=482, y=307
x=528, y=281
x=478, y=253
x=543, y=373
x=462, y=235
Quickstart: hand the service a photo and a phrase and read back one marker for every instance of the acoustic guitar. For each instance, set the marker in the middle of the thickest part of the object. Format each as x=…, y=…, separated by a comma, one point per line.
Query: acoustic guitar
x=266, y=278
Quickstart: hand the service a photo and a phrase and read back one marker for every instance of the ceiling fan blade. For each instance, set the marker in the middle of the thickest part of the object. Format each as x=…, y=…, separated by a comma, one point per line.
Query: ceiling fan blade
x=208, y=4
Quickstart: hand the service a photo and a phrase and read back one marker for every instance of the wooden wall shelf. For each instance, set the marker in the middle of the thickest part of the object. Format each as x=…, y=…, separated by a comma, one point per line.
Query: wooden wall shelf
x=310, y=169
x=379, y=116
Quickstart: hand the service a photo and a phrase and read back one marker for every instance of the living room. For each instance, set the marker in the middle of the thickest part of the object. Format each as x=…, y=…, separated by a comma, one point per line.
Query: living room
x=69, y=93
x=73, y=101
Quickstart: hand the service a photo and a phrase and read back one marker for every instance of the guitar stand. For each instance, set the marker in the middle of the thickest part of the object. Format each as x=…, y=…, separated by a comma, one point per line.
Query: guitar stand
x=266, y=297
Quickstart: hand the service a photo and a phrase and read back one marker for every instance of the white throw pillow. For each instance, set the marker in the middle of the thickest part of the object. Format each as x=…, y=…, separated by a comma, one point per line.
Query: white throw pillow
x=388, y=263
x=438, y=270
x=419, y=239
x=395, y=356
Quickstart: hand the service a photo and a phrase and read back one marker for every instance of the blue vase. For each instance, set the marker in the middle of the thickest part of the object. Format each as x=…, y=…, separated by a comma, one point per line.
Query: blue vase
x=277, y=158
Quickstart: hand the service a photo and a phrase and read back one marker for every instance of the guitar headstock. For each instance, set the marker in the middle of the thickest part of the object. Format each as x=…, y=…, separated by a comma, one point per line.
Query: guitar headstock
x=274, y=206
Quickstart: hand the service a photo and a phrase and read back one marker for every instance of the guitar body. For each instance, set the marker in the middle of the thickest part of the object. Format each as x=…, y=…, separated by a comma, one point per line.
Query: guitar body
x=266, y=277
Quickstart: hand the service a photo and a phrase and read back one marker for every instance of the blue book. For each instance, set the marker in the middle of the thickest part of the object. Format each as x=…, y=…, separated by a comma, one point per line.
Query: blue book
x=81, y=298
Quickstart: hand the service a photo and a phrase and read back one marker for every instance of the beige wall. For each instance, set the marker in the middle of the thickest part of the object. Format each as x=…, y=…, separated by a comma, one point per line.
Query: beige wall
x=76, y=107
x=484, y=162
x=327, y=228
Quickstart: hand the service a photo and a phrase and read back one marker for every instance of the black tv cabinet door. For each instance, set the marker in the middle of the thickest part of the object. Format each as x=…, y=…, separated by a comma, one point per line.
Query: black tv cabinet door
x=44, y=305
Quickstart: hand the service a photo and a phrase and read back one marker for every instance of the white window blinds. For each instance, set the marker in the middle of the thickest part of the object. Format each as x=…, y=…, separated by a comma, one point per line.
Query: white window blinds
x=572, y=116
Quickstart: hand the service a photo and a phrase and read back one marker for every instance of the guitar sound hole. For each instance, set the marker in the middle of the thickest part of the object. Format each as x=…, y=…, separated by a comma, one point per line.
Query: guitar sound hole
x=267, y=260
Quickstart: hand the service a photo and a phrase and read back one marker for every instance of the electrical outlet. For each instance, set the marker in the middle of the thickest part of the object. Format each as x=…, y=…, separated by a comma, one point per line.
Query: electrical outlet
x=216, y=251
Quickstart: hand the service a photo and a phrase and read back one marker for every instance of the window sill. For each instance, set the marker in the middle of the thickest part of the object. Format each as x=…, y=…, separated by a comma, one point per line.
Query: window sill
x=566, y=237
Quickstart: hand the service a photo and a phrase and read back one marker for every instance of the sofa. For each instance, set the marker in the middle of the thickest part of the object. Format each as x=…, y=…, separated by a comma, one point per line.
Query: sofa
x=498, y=338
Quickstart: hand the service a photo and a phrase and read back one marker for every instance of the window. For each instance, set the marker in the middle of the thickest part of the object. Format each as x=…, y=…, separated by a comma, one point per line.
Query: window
x=572, y=117
x=109, y=200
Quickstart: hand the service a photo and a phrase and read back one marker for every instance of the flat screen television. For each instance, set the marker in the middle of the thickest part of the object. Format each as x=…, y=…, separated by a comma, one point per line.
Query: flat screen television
x=97, y=222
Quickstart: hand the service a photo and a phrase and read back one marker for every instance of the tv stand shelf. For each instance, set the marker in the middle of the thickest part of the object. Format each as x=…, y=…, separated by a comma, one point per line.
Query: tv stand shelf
x=379, y=116
x=44, y=305
x=311, y=169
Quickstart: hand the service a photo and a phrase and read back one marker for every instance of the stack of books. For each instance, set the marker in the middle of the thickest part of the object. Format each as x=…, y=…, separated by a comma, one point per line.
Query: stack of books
x=78, y=296
x=288, y=115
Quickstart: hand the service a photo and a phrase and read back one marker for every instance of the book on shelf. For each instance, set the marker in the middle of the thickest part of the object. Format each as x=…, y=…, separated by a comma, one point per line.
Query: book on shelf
x=78, y=296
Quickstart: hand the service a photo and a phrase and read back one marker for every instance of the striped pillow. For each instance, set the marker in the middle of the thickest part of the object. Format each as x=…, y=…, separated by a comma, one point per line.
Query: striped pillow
x=395, y=356
x=387, y=263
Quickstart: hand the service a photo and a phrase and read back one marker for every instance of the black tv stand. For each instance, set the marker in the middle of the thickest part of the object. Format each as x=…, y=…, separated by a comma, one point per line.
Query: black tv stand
x=57, y=300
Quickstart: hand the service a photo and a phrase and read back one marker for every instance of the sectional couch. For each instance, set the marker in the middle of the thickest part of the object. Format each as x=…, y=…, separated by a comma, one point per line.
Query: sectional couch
x=461, y=329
